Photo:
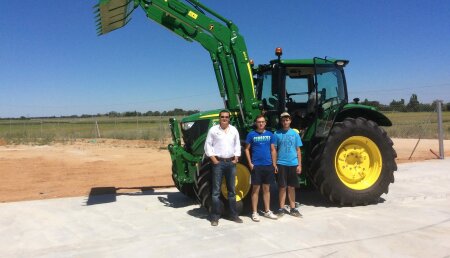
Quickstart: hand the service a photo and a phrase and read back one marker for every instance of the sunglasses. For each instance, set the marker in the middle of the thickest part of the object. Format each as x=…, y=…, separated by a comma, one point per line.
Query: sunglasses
x=224, y=117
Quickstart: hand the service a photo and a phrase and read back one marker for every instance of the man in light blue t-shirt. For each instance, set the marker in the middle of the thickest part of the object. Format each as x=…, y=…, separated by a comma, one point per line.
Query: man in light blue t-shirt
x=289, y=163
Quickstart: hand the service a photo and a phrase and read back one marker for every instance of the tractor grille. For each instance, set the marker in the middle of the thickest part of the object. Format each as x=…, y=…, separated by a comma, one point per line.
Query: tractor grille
x=190, y=136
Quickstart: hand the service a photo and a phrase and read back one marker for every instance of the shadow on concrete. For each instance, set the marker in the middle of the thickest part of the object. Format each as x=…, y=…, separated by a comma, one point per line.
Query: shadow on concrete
x=200, y=213
x=308, y=196
x=313, y=197
x=108, y=194
x=103, y=195
x=176, y=200
x=179, y=200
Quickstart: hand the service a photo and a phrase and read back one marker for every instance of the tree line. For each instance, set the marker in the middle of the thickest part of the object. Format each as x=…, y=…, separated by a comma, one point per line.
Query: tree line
x=174, y=112
x=413, y=105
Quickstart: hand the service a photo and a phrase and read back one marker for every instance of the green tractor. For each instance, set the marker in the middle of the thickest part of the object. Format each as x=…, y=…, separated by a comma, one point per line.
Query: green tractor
x=346, y=154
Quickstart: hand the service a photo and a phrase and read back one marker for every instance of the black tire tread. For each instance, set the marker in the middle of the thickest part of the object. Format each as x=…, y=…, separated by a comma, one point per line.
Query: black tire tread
x=324, y=174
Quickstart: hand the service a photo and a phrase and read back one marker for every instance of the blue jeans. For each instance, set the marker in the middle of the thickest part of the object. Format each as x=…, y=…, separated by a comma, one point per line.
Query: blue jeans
x=227, y=169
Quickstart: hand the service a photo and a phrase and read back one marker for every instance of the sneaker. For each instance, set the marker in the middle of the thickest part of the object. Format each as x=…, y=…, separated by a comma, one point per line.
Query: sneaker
x=255, y=217
x=214, y=223
x=237, y=220
x=280, y=212
x=294, y=212
x=270, y=215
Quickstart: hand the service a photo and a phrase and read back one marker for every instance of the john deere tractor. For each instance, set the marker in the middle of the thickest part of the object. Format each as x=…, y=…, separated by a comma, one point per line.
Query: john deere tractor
x=346, y=153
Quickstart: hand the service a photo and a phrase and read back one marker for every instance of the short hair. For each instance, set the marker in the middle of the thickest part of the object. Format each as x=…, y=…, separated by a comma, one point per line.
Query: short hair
x=260, y=116
x=224, y=111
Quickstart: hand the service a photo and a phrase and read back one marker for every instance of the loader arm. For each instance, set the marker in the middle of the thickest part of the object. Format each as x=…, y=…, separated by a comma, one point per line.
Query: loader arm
x=196, y=22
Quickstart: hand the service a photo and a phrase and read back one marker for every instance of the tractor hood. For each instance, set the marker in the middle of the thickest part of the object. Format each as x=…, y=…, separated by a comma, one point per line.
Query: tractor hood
x=210, y=114
x=206, y=115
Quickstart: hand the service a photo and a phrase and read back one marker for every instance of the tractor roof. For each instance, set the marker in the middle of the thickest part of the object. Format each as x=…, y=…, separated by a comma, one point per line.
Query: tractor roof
x=310, y=61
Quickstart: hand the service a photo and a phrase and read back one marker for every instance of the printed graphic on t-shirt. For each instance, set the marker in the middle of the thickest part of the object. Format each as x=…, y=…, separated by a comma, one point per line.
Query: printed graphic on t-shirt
x=261, y=138
x=288, y=141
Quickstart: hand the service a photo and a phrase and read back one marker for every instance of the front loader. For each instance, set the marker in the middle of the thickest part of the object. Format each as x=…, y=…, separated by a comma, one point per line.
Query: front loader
x=346, y=153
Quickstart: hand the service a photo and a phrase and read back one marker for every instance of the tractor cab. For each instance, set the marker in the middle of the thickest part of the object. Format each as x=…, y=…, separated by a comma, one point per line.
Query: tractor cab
x=306, y=88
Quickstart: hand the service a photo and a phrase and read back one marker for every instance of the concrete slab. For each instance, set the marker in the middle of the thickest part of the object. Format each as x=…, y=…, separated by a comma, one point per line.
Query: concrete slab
x=413, y=221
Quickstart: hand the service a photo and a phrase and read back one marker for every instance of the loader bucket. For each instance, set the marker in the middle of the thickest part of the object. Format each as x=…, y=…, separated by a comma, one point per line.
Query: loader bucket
x=113, y=14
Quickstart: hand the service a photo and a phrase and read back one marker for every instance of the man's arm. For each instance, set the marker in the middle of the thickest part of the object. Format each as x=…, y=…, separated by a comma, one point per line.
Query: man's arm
x=299, y=157
x=247, y=154
x=273, y=151
x=237, y=146
x=209, y=150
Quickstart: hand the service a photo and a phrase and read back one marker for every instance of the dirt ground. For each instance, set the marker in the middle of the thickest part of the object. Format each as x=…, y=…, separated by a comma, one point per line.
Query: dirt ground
x=100, y=166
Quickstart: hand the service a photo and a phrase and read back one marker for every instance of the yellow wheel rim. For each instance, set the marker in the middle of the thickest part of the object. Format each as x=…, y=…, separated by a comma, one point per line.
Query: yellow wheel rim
x=242, y=183
x=358, y=162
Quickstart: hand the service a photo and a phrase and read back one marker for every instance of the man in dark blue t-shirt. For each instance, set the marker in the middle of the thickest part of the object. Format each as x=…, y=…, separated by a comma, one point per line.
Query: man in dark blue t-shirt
x=261, y=157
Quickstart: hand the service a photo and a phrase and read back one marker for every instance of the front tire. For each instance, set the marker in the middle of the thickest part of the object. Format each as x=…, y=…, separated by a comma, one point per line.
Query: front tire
x=357, y=163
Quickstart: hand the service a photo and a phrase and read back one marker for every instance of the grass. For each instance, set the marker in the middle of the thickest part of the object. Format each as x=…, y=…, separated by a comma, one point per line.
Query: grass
x=46, y=131
x=417, y=125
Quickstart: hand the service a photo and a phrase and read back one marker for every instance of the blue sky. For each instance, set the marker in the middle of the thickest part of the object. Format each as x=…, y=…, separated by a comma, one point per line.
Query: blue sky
x=53, y=63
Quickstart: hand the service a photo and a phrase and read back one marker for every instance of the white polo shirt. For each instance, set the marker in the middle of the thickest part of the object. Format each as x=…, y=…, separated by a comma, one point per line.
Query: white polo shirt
x=223, y=143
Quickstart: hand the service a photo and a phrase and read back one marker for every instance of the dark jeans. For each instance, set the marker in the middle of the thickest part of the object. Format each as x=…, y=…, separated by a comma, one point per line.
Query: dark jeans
x=227, y=169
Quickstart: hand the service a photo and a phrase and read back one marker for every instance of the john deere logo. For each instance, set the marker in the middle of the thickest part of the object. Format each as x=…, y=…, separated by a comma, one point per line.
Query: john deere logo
x=211, y=27
x=193, y=15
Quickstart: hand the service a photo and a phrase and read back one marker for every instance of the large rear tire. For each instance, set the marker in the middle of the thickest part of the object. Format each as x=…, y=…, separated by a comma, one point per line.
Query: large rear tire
x=203, y=183
x=357, y=163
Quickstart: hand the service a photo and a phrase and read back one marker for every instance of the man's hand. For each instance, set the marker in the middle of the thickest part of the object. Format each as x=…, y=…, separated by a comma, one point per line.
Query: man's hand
x=251, y=166
x=214, y=160
x=275, y=167
x=299, y=169
x=235, y=160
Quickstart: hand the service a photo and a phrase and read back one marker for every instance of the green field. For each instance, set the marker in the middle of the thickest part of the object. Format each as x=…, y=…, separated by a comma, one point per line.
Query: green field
x=417, y=125
x=45, y=131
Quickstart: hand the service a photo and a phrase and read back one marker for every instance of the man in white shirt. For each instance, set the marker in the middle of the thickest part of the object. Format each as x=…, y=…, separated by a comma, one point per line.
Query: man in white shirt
x=223, y=147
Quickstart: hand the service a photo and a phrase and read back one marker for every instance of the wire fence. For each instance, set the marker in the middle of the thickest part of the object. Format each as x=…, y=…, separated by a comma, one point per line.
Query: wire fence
x=419, y=132
x=417, y=125
x=45, y=131
x=407, y=124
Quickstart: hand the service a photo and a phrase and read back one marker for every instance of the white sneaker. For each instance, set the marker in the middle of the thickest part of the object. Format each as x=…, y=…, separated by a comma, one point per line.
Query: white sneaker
x=255, y=217
x=270, y=215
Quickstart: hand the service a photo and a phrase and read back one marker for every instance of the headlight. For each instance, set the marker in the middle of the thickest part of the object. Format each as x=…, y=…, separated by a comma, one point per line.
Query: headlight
x=341, y=62
x=187, y=125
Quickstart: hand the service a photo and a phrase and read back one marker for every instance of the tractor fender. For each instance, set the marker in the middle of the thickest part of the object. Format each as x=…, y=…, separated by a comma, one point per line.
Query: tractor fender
x=366, y=112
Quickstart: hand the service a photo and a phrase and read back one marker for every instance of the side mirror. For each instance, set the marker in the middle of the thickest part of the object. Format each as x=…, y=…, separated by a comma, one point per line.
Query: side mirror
x=275, y=79
x=263, y=105
x=323, y=94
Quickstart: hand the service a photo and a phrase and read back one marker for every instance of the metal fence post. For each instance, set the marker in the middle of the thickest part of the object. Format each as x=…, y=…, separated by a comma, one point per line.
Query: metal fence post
x=440, y=129
x=160, y=129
